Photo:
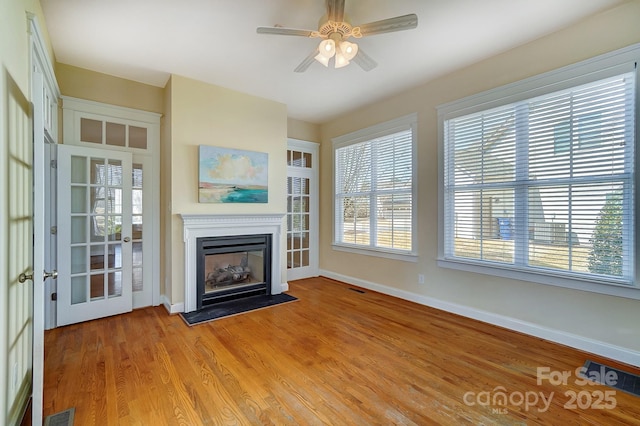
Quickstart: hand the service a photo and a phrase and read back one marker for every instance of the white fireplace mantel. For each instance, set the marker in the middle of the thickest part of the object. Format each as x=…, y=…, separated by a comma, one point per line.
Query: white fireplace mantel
x=201, y=226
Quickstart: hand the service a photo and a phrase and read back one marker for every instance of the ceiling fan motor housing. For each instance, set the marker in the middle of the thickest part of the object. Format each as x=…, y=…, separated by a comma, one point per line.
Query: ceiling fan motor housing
x=327, y=28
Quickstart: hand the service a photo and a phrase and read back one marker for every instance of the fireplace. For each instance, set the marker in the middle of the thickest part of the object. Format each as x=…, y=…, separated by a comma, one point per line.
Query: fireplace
x=228, y=228
x=231, y=267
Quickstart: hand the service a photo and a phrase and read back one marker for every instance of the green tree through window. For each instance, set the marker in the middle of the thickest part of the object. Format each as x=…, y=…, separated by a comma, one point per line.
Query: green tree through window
x=606, y=253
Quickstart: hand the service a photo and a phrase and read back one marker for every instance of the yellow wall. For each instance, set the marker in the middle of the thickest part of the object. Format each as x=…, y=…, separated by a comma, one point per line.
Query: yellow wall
x=203, y=114
x=94, y=86
x=302, y=130
x=607, y=319
x=16, y=254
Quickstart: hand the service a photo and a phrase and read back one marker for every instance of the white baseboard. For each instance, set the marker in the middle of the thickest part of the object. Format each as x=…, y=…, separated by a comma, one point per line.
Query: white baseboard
x=284, y=286
x=607, y=350
x=172, y=309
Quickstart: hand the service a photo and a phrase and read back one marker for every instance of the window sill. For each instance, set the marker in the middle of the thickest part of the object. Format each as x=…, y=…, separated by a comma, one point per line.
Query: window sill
x=406, y=257
x=541, y=277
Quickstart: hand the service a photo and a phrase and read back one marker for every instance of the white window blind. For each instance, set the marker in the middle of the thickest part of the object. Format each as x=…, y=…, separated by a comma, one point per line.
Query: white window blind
x=546, y=184
x=374, y=191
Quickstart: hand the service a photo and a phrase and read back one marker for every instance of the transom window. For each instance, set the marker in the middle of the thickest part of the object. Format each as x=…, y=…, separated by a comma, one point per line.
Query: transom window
x=374, y=188
x=545, y=184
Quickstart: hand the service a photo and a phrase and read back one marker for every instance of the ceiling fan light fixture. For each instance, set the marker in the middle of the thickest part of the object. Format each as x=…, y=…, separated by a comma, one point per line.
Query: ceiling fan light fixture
x=327, y=48
x=341, y=60
x=322, y=59
x=349, y=50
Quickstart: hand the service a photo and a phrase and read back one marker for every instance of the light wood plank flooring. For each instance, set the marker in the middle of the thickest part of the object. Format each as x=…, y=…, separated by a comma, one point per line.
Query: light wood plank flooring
x=335, y=357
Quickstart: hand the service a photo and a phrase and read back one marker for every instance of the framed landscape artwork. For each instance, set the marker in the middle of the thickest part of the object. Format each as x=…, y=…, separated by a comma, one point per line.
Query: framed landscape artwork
x=232, y=176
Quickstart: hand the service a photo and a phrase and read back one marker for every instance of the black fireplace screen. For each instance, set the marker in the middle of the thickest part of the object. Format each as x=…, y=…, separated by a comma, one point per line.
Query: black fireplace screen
x=233, y=266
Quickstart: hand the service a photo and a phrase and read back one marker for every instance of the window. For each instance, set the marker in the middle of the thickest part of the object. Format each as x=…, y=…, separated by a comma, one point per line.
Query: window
x=374, y=188
x=545, y=184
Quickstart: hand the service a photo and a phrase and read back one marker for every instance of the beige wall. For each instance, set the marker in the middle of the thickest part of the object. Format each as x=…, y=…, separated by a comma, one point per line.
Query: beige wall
x=203, y=114
x=16, y=255
x=607, y=319
x=94, y=86
x=302, y=130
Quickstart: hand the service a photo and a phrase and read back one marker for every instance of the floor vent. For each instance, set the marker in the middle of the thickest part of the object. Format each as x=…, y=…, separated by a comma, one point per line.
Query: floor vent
x=63, y=418
x=356, y=290
x=599, y=373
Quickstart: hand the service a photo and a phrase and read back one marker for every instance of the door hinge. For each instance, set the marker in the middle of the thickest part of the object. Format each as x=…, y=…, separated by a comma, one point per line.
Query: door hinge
x=54, y=164
x=54, y=230
x=54, y=296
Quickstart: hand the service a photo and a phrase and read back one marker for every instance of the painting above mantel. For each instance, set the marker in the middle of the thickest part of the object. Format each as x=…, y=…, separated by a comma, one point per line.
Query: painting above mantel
x=232, y=175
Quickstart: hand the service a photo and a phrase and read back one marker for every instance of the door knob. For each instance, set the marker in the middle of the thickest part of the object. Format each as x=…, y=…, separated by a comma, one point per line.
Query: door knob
x=126, y=239
x=24, y=277
x=53, y=274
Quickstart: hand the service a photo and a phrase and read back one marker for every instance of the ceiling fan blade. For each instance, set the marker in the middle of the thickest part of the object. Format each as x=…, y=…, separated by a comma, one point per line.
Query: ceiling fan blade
x=335, y=10
x=306, y=63
x=399, y=23
x=364, y=61
x=285, y=31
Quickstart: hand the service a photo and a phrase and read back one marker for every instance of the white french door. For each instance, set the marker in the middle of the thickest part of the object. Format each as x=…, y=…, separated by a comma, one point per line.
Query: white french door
x=94, y=233
x=302, y=210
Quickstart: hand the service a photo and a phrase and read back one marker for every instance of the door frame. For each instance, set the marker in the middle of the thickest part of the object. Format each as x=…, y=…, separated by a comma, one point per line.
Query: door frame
x=312, y=148
x=74, y=109
x=44, y=96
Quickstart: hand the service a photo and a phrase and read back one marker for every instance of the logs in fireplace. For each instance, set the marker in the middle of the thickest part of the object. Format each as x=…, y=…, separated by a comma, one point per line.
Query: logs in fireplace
x=232, y=267
x=220, y=277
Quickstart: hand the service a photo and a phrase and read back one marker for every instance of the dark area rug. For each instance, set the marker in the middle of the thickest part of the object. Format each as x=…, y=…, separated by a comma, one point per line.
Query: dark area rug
x=235, y=307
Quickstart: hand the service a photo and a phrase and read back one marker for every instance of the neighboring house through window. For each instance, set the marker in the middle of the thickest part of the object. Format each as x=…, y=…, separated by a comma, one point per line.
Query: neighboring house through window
x=374, y=189
x=539, y=178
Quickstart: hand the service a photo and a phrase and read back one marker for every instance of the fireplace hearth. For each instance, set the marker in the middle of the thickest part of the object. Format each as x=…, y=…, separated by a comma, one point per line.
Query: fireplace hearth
x=231, y=267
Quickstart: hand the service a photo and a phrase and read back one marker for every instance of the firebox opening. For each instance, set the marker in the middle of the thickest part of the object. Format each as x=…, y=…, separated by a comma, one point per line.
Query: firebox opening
x=231, y=267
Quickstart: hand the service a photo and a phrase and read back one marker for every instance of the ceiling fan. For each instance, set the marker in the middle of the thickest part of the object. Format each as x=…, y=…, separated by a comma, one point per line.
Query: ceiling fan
x=334, y=29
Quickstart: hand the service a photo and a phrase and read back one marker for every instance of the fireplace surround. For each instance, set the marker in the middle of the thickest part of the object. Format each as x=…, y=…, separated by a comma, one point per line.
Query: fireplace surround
x=208, y=226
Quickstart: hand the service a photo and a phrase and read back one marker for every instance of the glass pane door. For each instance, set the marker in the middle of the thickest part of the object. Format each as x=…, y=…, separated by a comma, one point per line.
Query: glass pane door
x=94, y=234
x=298, y=205
x=302, y=211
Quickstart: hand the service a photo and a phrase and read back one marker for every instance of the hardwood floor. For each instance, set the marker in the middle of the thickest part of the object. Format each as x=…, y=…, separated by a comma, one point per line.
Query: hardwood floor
x=336, y=357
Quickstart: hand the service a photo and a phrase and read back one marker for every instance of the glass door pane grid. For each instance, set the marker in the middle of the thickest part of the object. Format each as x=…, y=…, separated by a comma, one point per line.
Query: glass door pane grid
x=79, y=200
x=298, y=159
x=298, y=221
x=95, y=241
x=137, y=235
x=113, y=134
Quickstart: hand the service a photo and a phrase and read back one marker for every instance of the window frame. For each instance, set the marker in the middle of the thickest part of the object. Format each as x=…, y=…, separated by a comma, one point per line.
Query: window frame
x=407, y=122
x=597, y=68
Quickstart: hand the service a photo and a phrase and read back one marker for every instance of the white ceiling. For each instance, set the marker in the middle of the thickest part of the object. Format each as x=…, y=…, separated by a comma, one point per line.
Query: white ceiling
x=215, y=41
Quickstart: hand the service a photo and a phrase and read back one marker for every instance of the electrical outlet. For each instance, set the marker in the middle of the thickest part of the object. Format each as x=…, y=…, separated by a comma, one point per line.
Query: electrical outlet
x=420, y=278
